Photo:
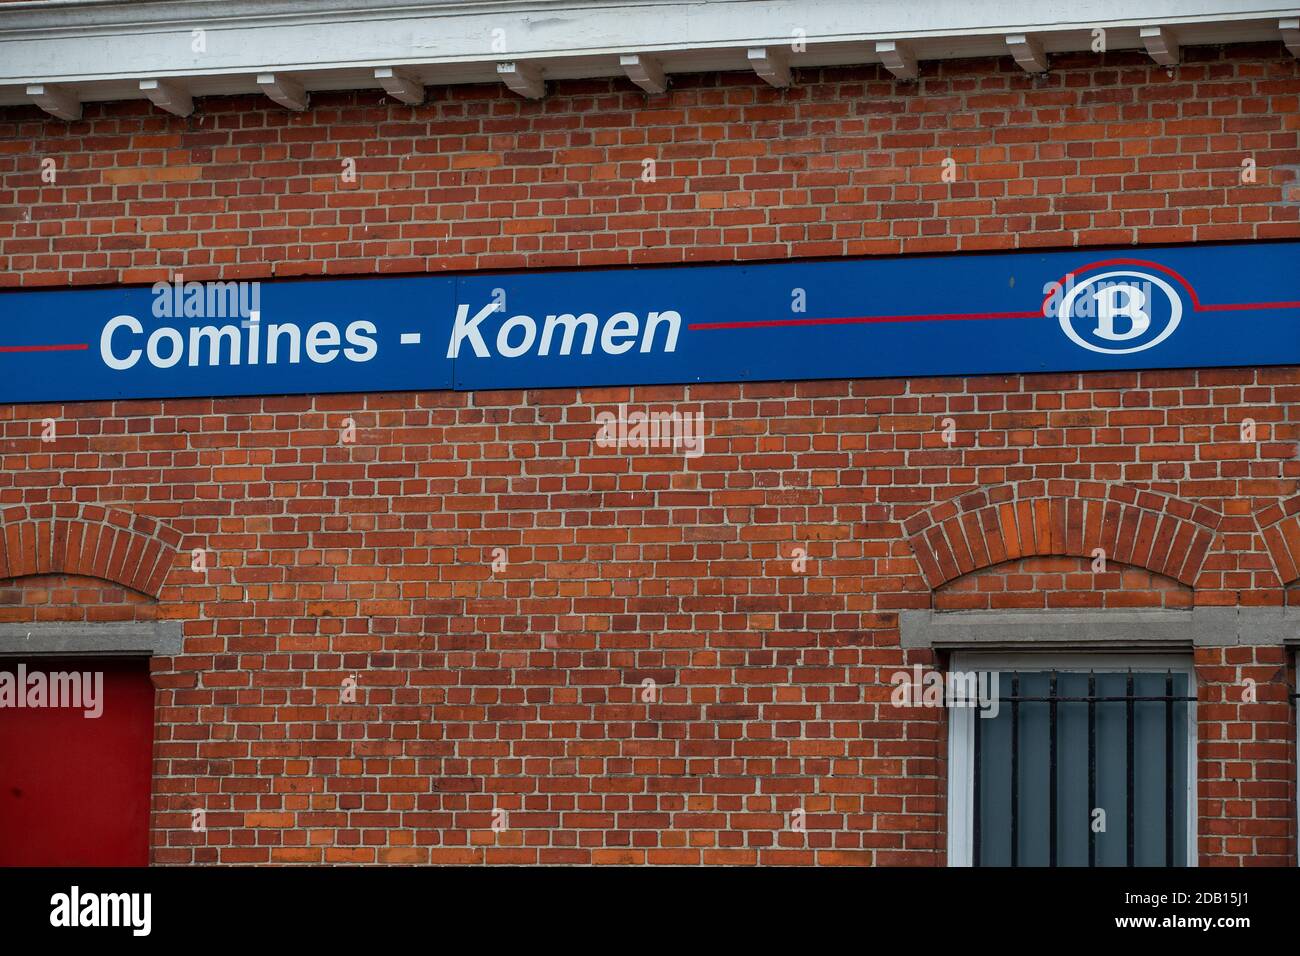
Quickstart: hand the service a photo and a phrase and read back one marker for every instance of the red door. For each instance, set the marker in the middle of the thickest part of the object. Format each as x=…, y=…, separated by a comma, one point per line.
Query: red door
x=74, y=790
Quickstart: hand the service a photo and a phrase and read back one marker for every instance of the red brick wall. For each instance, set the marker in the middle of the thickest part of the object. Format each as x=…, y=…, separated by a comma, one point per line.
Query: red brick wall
x=1060, y=582
x=71, y=597
x=521, y=689
x=1247, y=755
x=847, y=162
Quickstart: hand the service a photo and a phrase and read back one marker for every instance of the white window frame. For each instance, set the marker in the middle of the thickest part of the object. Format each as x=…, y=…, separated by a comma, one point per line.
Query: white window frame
x=961, y=731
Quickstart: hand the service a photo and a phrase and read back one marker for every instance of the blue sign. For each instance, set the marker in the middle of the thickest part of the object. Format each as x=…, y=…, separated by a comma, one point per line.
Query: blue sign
x=973, y=314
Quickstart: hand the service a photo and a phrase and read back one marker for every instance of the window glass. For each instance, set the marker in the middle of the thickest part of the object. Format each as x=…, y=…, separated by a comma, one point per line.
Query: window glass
x=1114, y=744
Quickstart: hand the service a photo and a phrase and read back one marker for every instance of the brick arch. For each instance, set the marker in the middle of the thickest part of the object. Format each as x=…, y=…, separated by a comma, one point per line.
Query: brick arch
x=88, y=540
x=1146, y=529
x=1279, y=525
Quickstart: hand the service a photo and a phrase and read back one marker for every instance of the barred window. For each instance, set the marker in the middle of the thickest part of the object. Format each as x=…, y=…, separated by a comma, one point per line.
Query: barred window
x=1084, y=762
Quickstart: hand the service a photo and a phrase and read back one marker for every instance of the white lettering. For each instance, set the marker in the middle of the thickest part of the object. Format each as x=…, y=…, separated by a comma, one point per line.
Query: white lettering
x=570, y=323
x=462, y=329
x=228, y=345
x=178, y=347
x=75, y=909
x=366, y=346
x=503, y=336
x=213, y=335
x=323, y=334
x=1135, y=299
x=106, y=342
x=624, y=326
x=273, y=333
x=617, y=335
x=674, y=321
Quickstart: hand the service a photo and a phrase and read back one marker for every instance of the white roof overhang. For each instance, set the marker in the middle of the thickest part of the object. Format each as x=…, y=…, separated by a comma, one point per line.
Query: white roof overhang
x=58, y=53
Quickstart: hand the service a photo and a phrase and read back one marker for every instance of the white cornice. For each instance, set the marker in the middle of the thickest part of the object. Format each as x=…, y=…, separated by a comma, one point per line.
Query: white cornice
x=102, y=49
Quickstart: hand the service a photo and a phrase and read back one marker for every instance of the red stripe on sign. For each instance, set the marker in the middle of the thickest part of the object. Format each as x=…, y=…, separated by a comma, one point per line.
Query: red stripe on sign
x=867, y=320
x=81, y=347
x=1238, y=306
x=1197, y=306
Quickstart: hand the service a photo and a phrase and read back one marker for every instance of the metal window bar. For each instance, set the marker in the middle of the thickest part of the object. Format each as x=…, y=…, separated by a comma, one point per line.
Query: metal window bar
x=976, y=828
x=1130, y=699
x=1169, y=768
x=1092, y=765
x=1129, y=791
x=1052, y=774
x=1015, y=769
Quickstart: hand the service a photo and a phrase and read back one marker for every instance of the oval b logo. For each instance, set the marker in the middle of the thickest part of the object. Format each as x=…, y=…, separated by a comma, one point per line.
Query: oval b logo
x=1119, y=312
